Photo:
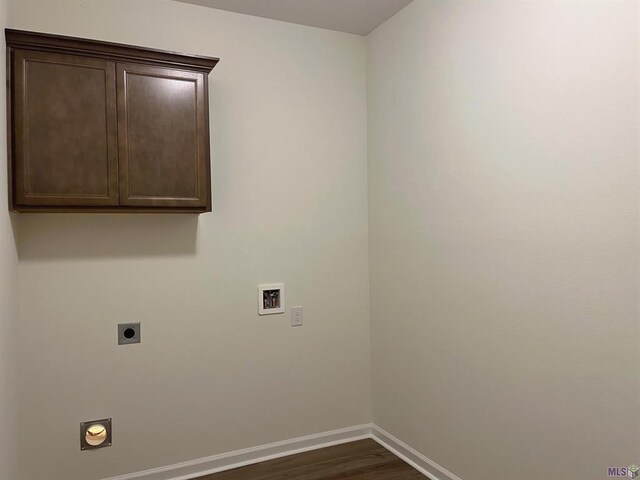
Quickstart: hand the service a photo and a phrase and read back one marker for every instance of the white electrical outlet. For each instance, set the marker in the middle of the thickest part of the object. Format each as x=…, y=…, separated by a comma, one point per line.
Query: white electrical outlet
x=296, y=316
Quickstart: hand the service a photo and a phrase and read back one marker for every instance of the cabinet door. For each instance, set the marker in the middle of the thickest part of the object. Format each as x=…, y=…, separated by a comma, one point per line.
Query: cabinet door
x=163, y=137
x=65, y=130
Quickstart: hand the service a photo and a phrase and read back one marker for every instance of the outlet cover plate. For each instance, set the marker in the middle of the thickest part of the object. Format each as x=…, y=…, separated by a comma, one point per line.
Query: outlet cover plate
x=296, y=316
x=128, y=333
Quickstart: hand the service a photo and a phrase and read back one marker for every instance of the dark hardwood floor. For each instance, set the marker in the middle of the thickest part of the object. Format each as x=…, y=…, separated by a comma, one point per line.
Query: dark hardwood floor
x=361, y=460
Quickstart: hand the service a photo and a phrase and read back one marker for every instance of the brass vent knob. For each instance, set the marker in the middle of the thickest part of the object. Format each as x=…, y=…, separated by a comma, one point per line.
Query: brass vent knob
x=96, y=434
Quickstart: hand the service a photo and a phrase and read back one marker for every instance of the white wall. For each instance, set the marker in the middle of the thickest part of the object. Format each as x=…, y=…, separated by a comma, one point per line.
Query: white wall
x=8, y=303
x=503, y=185
x=290, y=204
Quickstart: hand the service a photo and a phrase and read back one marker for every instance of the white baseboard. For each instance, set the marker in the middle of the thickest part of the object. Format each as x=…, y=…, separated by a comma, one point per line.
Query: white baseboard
x=241, y=458
x=410, y=455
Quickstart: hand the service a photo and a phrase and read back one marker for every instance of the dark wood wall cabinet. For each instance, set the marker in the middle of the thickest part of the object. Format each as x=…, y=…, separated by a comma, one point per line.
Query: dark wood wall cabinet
x=104, y=127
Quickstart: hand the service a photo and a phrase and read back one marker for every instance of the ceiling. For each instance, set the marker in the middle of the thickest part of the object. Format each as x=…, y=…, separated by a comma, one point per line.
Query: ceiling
x=351, y=16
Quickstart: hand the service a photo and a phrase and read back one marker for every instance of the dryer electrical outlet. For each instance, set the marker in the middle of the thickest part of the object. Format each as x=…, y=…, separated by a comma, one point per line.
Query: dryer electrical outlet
x=271, y=298
x=128, y=333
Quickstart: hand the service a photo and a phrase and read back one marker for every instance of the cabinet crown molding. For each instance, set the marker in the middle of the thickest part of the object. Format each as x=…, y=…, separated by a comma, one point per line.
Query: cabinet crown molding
x=113, y=51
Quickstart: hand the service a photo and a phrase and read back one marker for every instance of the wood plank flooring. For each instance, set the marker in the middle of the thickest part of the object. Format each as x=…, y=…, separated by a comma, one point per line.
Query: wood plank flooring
x=361, y=460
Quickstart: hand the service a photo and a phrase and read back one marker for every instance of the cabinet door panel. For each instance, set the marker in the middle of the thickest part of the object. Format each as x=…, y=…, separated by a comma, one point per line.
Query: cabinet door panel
x=65, y=150
x=163, y=137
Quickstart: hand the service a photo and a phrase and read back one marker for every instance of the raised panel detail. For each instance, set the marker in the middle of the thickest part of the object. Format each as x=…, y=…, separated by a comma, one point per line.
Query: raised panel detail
x=65, y=130
x=163, y=138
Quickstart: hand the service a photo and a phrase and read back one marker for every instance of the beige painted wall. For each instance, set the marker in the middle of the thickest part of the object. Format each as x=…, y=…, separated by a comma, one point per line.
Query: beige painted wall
x=290, y=205
x=8, y=304
x=503, y=185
